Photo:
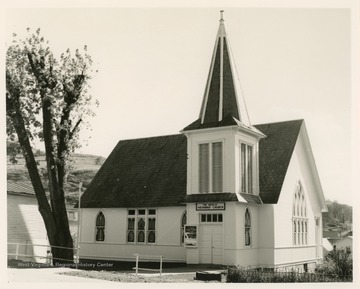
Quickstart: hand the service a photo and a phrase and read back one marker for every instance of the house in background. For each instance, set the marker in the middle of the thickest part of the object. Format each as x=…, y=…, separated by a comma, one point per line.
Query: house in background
x=327, y=247
x=222, y=192
x=26, y=233
x=73, y=218
x=339, y=240
x=25, y=225
x=332, y=236
x=345, y=244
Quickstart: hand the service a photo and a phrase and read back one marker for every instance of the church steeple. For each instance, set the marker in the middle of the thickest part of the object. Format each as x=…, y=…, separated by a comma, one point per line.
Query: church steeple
x=223, y=103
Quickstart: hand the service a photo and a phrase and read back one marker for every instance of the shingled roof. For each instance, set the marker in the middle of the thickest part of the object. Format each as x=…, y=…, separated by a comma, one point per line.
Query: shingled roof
x=275, y=152
x=148, y=172
x=151, y=172
x=20, y=188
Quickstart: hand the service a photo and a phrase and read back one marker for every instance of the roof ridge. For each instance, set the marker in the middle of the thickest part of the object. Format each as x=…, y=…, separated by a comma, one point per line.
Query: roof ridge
x=278, y=122
x=150, y=137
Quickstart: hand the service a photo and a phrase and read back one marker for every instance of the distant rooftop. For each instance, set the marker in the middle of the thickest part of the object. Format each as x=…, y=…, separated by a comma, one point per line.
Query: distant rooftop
x=21, y=187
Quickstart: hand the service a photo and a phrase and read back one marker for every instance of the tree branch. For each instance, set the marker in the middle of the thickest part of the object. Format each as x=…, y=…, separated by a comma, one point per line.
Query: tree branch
x=65, y=132
x=74, y=128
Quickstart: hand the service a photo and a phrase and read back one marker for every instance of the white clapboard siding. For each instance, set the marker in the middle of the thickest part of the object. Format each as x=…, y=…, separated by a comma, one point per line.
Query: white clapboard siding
x=25, y=225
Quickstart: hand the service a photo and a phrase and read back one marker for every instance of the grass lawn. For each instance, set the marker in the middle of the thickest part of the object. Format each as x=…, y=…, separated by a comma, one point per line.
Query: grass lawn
x=132, y=278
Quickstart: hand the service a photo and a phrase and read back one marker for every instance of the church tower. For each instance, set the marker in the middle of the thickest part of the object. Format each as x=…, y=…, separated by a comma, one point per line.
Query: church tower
x=222, y=143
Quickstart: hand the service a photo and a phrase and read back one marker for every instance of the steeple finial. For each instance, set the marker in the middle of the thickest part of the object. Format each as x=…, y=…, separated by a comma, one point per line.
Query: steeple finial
x=221, y=15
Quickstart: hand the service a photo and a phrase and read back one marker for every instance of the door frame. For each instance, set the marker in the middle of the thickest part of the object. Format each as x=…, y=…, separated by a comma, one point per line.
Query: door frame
x=211, y=249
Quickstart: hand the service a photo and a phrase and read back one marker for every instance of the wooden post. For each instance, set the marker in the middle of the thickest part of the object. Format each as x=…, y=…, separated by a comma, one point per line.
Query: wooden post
x=17, y=251
x=161, y=258
x=137, y=264
x=78, y=229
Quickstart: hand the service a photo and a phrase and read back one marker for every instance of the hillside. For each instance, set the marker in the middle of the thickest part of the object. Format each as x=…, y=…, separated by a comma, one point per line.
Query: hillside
x=338, y=217
x=84, y=168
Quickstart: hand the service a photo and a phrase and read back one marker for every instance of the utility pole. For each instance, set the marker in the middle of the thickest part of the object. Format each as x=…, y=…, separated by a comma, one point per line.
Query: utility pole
x=78, y=229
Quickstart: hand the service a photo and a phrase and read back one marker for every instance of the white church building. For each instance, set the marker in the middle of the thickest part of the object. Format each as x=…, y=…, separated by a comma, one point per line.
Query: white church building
x=223, y=191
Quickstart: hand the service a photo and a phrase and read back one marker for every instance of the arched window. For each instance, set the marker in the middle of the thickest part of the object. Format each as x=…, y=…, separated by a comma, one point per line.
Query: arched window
x=247, y=228
x=100, y=227
x=183, y=223
x=151, y=230
x=299, y=217
x=141, y=230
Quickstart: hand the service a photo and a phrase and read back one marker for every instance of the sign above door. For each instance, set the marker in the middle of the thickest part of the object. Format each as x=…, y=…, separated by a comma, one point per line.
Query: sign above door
x=210, y=206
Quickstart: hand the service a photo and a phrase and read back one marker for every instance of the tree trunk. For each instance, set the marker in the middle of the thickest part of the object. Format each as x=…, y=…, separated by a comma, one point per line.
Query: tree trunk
x=54, y=216
x=13, y=111
x=57, y=197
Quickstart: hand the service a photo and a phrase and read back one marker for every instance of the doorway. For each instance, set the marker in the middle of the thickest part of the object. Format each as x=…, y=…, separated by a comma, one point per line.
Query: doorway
x=211, y=244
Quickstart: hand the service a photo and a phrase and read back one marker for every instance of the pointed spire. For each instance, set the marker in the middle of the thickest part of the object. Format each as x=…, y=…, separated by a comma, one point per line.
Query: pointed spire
x=223, y=97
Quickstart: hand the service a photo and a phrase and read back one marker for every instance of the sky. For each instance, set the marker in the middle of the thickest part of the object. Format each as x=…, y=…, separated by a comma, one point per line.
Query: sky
x=153, y=62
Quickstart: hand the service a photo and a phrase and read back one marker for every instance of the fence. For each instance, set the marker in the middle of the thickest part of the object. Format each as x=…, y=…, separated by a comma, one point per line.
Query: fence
x=47, y=259
x=147, y=258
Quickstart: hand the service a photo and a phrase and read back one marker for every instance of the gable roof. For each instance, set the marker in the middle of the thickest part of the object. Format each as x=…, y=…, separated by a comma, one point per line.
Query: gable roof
x=151, y=172
x=20, y=188
x=148, y=172
x=331, y=234
x=275, y=152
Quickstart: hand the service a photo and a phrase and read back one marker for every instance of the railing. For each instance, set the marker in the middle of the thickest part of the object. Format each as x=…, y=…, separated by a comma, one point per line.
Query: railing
x=147, y=258
x=47, y=258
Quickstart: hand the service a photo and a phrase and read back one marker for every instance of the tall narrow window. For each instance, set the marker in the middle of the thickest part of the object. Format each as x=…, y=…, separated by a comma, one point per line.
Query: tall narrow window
x=131, y=230
x=131, y=226
x=183, y=223
x=246, y=156
x=204, y=168
x=243, y=168
x=211, y=167
x=217, y=167
x=141, y=230
x=249, y=169
x=151, y=230
x=100, y=227
x=247, y=228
